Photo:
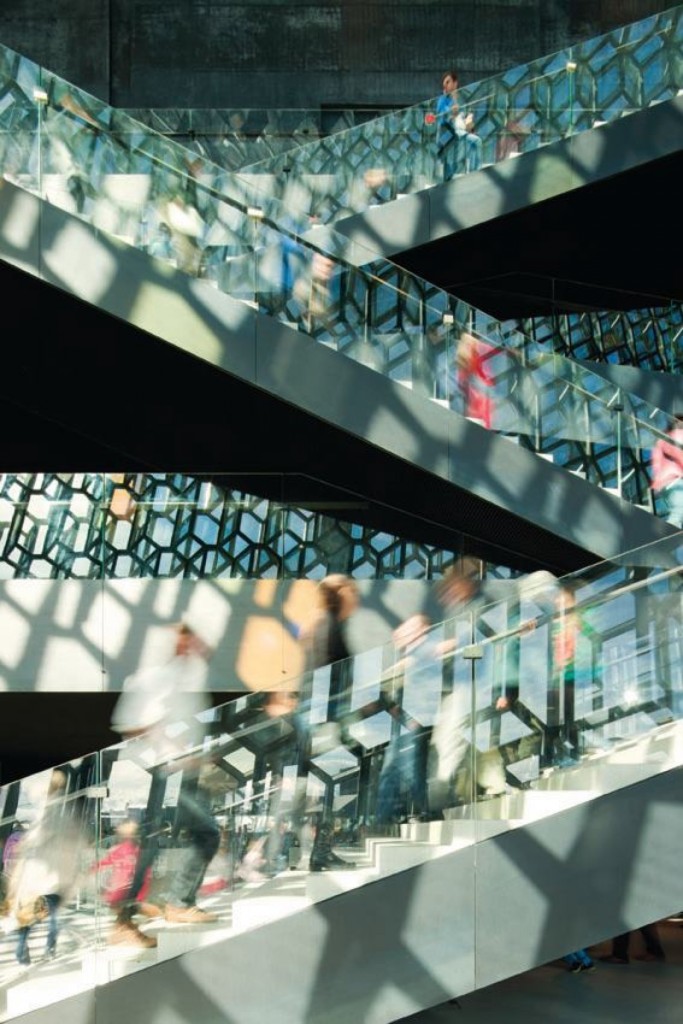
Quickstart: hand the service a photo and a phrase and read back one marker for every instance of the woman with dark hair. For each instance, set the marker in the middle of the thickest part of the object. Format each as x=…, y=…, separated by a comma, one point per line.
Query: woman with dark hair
x=324, y=636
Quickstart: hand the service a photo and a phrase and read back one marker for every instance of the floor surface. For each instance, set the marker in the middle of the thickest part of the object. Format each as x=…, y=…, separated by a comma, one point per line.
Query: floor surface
x=646, y=993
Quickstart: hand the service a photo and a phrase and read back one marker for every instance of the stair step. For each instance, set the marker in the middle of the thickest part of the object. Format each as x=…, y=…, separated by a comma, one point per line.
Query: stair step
x=251, y=913
x=100, y=966
x=175, y=939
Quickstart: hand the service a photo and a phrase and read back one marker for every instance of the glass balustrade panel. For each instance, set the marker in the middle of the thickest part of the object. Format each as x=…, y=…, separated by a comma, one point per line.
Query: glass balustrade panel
x=589, y=672
x=52, y=922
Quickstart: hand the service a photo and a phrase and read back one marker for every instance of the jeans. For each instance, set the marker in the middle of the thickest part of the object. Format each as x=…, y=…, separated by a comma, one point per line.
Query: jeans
x=204, y=837
x=402, y=783
x=195, y=817
x=579, y=957
x=461, y=154
x=21, y=950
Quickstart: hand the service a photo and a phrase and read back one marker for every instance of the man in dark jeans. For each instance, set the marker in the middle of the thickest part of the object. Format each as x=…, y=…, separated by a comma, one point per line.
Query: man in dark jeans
x=194, y=817
x=200, y=831
x=458, y=148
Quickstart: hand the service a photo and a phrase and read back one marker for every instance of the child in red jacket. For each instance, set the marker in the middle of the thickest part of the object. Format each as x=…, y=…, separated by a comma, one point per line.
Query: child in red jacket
x=117, y=869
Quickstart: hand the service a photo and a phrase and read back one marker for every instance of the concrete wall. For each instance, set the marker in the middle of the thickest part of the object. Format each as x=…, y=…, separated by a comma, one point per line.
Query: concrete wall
x=272, y=53
x=87, y=636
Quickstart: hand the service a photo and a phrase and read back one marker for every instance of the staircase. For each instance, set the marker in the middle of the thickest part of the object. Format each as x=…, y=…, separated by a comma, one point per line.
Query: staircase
x=581, y=849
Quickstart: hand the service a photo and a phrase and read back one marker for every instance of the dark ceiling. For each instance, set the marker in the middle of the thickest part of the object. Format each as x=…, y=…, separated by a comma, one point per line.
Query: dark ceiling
x=609, y=245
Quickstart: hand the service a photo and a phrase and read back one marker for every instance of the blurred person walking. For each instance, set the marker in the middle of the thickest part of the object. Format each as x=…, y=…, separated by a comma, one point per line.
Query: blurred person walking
x=325, y=640
x=461, y=773
x=325, y=643
x=159, y=713
x=45, y=870
x=411, y=695
x=667, y=470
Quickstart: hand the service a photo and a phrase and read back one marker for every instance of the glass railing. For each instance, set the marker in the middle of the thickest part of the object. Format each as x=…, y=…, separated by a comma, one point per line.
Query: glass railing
x=238, y=137
x=514, y=384
x=588, y=674
x=536, y=695
x=650, y=338
x=93, y=162
x=510, y=114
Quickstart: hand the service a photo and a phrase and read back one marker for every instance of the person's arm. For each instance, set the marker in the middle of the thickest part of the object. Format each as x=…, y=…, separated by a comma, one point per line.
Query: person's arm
x=446, y=112
x=663, y=454
x=109, y=858
x=669, y=450
x=656, y=461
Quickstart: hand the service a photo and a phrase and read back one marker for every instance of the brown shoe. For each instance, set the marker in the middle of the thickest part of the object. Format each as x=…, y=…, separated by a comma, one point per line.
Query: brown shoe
x=188, y=915
x=150, y=910
x=130, y=935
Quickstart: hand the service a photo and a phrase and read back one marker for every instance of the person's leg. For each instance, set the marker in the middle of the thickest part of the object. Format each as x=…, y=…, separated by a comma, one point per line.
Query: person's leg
x=388, y=787
x=21, y=949
x=460, y=155
x=653, y=946
x=274, y=842
x=322, y=858
x=570, y=733
x=147, y=854
x=447, y=156
x=124, y=930
x=418, y=781
x=52, y=901
x=188, y=879
x=204, y=835
x=619, y=954
x=149, y=838
x=551, y=732
x=474, y=148
x=490, y=772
